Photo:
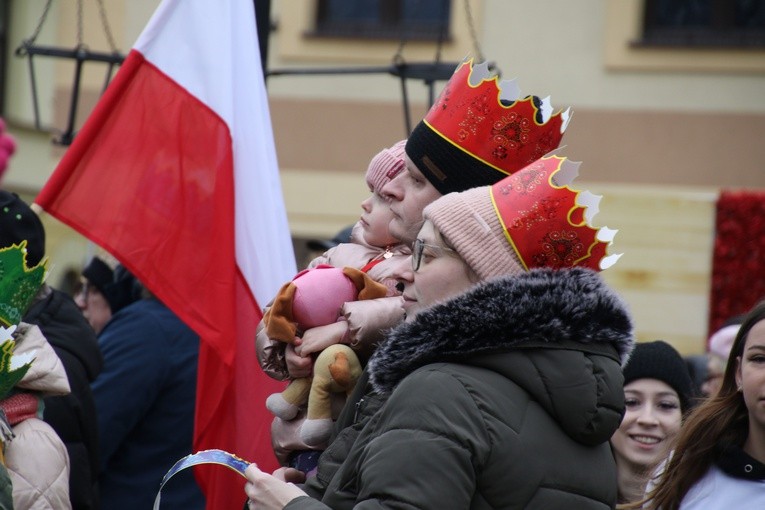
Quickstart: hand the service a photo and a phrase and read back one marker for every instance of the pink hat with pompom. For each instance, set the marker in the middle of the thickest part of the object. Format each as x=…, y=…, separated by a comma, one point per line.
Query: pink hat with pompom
x=7, y=147
x=385, y=166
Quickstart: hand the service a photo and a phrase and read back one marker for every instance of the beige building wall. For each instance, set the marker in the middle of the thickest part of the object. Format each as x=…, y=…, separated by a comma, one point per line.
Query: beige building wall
x=659, y=131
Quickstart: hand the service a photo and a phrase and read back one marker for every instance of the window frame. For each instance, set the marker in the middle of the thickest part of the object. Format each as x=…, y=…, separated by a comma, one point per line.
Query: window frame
x=294, y=45
x=721, y=31
x=623, y=26
x=389, y=25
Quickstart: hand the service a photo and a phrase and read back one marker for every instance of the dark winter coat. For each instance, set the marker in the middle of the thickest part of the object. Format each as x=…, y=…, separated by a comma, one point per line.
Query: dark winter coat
x=504, y=397
x=72, y=416
x=145, y=398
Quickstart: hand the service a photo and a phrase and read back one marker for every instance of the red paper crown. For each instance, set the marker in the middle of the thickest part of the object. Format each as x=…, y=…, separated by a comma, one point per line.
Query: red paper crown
x=549, y=224
x=487, y=119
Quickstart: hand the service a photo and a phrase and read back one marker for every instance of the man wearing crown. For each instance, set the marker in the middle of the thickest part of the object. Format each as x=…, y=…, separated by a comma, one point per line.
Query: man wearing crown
x=478, y=131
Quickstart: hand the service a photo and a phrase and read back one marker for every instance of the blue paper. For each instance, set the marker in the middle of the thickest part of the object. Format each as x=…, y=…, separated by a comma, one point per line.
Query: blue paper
x=221, y=457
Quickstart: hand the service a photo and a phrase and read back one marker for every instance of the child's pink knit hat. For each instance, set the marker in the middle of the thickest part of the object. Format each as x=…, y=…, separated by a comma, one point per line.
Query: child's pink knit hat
x=385, y=166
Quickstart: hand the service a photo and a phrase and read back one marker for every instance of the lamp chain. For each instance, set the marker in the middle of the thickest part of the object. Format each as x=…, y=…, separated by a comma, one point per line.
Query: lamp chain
x=32, y=38
x=107, y=28
x=473, y=35
x=79, y=23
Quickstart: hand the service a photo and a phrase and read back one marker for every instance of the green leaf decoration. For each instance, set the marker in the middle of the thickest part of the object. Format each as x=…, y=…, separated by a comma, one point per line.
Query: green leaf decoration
x=11, y=375
x=18, y=283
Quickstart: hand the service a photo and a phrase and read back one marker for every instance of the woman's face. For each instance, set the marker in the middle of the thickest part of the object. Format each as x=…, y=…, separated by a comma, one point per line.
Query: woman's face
x=750, y=377
x=442, y=274
x=652, y=419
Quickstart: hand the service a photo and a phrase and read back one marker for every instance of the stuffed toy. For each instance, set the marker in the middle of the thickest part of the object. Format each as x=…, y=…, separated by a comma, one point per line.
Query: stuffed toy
x=314, y=298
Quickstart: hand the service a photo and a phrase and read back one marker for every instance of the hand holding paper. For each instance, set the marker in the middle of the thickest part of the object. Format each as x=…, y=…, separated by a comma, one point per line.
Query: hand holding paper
x=268, y=492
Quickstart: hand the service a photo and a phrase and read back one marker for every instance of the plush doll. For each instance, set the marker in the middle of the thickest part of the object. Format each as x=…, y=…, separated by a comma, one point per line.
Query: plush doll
x=314, y=298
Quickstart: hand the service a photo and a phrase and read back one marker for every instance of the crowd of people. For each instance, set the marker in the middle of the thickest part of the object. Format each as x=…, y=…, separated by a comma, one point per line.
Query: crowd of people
x=499, y=368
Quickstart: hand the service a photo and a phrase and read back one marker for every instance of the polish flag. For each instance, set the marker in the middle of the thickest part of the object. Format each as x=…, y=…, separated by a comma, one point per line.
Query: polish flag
x=175, y=174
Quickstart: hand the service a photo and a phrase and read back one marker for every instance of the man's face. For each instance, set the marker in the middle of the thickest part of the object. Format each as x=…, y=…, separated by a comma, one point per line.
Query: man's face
x=94, y=305
x=409, y=192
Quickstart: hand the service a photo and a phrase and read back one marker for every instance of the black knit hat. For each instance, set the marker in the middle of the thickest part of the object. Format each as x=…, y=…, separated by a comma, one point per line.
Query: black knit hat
x=98, y=273
x=18, y=222
x=446, y=166
x=119, y=286
x=659, y=360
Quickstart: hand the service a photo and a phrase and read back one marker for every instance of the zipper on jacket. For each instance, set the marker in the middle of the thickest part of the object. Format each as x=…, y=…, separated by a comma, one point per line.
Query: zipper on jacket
x=358, y=410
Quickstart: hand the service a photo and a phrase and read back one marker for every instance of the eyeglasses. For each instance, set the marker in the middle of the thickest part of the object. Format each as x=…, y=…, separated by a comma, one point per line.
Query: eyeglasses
x=419, y=247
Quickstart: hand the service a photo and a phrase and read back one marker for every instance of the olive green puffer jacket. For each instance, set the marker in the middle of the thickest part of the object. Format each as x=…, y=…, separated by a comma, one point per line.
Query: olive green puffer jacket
x=504, y=397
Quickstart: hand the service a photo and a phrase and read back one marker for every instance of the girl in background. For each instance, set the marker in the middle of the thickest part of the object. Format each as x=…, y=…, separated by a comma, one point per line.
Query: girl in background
x=719, y=458
x=657, y=392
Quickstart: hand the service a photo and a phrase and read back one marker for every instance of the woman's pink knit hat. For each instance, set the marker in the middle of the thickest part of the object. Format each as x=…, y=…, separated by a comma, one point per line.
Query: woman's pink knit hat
x=385, y=166
x=529, y=219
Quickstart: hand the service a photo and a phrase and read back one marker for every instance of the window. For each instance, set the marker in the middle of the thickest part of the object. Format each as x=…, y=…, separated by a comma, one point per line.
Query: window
x=704, y=23
x=299, y=37
x=626, y=46
x=383, y=19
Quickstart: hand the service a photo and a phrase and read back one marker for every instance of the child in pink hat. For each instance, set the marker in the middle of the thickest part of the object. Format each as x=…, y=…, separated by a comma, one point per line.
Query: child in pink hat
x=373, y=250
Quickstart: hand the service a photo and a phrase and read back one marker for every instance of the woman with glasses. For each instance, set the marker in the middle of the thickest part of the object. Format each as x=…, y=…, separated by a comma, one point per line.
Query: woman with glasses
x=504, y=384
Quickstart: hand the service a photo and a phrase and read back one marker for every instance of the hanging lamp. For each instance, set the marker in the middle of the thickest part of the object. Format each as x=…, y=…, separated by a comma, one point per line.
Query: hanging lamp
x=80, y=54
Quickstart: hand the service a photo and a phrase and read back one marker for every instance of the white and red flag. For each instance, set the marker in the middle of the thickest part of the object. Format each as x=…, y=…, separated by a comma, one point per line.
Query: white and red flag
x=175, y=174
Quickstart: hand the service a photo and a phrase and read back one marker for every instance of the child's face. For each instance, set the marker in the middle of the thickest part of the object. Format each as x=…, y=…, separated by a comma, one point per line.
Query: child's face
x=375, y=221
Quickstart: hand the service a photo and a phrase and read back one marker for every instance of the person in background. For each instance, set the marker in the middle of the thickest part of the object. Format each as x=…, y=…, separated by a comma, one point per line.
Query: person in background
x=504, y=384
x=72, y=416
x=34, y=455
x=105, y=291
x=720, y=344
x=657, y=391
x=718, y=460
x=145, y=396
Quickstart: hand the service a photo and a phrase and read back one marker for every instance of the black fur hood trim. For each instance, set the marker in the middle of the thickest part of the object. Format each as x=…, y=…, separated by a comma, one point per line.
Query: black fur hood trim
x=541, y=307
